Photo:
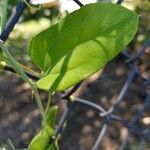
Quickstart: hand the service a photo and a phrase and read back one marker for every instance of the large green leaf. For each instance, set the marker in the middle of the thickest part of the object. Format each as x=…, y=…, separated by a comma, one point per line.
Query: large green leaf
x=81, y=44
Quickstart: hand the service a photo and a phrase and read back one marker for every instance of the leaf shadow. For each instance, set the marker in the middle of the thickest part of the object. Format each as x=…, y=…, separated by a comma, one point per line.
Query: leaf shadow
x=62, y=71
x=108, y=56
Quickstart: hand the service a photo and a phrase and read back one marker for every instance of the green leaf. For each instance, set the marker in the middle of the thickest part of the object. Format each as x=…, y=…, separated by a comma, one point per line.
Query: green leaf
x=81, y=44
x=51, y=116
x=42, y=140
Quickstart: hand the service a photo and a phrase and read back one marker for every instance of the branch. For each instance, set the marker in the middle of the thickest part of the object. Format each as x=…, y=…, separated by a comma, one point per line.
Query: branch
x=30, y=75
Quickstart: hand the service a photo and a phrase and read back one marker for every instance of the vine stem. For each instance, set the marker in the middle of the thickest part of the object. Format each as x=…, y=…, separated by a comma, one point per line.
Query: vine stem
x=6, y=67
x=22, y=74
x=4, y=14
x=48, y=102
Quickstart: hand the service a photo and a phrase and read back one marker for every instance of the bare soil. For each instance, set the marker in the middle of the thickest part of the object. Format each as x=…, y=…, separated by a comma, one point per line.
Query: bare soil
x=20, y=118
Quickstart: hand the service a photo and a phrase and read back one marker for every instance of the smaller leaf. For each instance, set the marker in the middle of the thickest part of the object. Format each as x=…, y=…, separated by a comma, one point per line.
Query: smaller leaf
x=42, y=140
x=51, y=116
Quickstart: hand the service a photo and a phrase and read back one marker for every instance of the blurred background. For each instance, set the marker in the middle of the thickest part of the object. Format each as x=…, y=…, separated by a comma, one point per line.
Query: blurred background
x=19, y=115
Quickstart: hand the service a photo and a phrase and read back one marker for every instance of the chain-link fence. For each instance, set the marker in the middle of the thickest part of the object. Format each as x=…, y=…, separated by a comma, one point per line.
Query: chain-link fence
x=134, y=127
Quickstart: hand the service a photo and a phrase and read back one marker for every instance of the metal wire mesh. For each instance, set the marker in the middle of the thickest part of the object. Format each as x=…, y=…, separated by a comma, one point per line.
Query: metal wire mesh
x=133, y=126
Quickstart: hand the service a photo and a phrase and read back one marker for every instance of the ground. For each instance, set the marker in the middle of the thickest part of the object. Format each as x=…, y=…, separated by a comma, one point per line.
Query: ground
x=20, y=118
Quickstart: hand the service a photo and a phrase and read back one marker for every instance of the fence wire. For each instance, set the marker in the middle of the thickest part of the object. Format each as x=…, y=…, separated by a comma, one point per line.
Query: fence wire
x=134, y=127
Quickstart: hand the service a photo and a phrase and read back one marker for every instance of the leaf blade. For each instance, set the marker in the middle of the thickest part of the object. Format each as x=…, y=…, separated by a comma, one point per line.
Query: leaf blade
x=98, y=41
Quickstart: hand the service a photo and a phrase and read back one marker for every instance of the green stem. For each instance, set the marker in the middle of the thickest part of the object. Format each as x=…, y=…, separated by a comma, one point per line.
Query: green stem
x=39, y=103
x=13, y=62
x=4, y=14
x=22, y=74
x=48, y=102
